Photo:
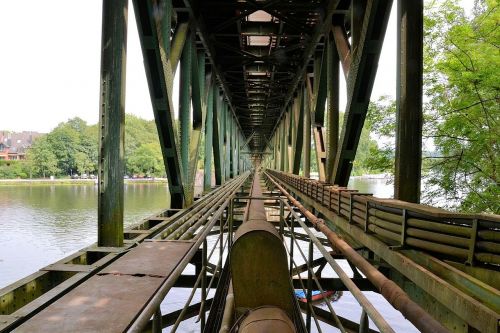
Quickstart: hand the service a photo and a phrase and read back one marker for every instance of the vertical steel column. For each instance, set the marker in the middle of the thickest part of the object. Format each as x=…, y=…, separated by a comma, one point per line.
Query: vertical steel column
x=299, y=133
x=209, y=121
x=232, y=133
x=112, y=123
x=216, y=139
x=333, y=106
x=283, y=144
x=234, y=149
x=276, y=149
x=409, y=101
x=185, y=107
x=227, y=142
x=307, y=134
x=223, y=138
x=198, y=103
x=291, y=130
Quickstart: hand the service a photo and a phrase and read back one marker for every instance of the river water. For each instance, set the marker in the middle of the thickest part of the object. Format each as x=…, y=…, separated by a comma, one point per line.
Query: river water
x=41, y=224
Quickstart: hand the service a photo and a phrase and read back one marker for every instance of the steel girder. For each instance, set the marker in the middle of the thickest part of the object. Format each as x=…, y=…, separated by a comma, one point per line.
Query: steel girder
x=366, y=26
x=162, y=51
x=112, y=124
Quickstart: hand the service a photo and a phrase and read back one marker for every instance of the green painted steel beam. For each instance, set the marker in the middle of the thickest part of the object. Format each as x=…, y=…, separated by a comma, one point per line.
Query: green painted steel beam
x=178, y=40
x=409, y=115
x=359, y=85
x=209, y=132
x=319, y=133
x=216, y=138
x=227, y=142
x=299, y=134
x=318, y=32
x=112, y=123
x=199, y=24
x=320, y=88
x=199, y=103
x=332, y=128
x=185, y=109
x=307, y=134
x=282, y=145
x=153, y=35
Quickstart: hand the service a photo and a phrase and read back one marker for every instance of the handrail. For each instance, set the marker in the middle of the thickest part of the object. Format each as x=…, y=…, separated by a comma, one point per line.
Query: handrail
x=390, y=290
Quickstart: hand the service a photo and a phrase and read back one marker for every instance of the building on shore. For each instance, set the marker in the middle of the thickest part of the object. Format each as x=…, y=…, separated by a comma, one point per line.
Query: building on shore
x=13, y=145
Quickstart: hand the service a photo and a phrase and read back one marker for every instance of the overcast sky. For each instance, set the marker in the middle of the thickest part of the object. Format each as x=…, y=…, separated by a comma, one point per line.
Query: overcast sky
x=50, y=60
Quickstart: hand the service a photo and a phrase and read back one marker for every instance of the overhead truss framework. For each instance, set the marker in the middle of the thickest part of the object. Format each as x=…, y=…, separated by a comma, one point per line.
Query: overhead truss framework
x=260, y=78
x=279, y=64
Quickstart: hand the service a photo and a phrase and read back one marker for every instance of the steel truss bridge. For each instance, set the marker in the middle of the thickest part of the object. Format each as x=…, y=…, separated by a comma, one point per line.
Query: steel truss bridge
x=259, y=82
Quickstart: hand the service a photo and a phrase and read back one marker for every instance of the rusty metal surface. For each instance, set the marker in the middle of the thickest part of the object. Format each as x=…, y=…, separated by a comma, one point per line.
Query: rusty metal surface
x=453, y=298
x=103, y=304
x=157, y=258
x=259, y=261
x=255, y=208
x=267, y=319
x=112, y=299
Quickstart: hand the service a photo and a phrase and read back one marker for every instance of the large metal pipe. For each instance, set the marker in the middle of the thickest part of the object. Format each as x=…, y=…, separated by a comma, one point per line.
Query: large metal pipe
x=390, y=290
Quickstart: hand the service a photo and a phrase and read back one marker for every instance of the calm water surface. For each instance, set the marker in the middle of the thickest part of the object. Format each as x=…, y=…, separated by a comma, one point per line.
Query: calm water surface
x=42, y=224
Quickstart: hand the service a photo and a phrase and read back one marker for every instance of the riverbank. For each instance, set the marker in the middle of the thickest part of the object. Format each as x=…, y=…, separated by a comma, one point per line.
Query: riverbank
x=66, y=181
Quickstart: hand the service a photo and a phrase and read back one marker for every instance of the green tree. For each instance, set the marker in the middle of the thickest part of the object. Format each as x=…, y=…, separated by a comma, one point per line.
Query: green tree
x=146, y=159
x=141, y=139
x=83, y=162
x=462, y=67
x=42, y=159
x=381, y=123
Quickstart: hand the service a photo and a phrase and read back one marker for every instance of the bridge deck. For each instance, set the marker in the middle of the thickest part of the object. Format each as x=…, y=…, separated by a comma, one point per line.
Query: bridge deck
x=110, y=300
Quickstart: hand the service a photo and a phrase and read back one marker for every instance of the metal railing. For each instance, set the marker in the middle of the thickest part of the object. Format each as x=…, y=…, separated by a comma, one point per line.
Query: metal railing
x=472, y=239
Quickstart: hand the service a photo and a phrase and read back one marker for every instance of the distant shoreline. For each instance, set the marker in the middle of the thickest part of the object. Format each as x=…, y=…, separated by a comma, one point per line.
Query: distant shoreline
x=11, y=182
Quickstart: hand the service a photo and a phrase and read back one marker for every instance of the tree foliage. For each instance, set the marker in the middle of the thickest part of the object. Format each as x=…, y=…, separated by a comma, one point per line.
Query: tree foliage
x=72, y=148
x=42, y=159
x=142, y=148
x=462, y=70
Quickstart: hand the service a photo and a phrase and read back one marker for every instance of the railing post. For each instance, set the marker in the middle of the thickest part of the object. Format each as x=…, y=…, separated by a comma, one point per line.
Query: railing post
x=230, y=227
x=157, y=324
x=203, y=285
x=292, y=234
x=364, y=323
x=404, y=226
x=472, y=243
x=282, y=216
x=309, y=287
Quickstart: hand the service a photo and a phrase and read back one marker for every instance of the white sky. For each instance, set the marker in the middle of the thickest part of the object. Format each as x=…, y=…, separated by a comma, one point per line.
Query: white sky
x=50, y=61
